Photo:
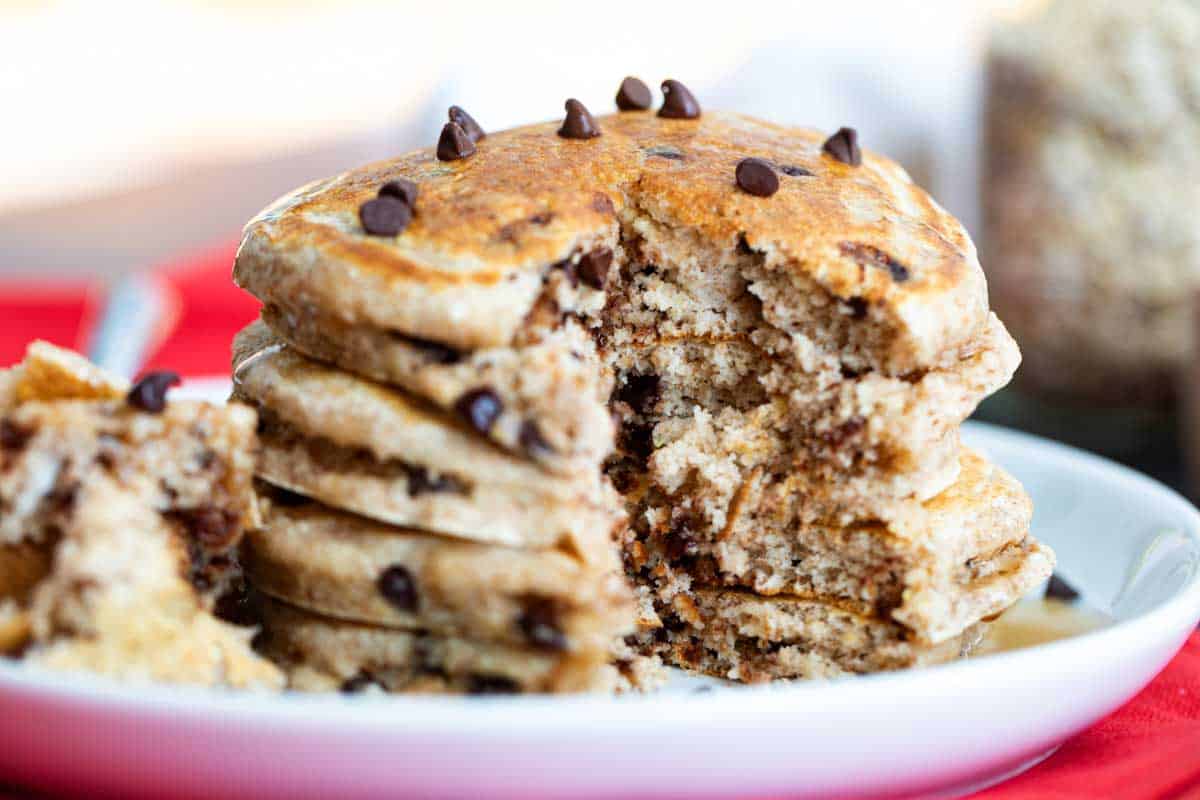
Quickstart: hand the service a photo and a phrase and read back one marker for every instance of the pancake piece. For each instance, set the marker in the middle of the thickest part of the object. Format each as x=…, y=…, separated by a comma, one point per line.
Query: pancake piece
x=551, y=397
x=363, y=447
x=354, y=569
x=321, y=654
x=490, y=229
x=745, y=637
x=892, y=571
x=118, y=601
x=723, y=419
x=991, y=585
x=191, y=462
x=822, y=600
x=121, y=526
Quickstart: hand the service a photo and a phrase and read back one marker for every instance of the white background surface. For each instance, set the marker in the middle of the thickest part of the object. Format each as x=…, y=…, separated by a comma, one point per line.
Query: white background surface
x=101, y=96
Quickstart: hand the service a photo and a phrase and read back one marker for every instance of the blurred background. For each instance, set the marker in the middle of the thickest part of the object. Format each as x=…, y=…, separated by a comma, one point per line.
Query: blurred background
x=139, y=136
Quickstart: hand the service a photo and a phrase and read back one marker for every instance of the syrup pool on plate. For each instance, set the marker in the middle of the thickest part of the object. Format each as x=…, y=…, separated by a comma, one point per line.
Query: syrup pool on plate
x=1039, y=620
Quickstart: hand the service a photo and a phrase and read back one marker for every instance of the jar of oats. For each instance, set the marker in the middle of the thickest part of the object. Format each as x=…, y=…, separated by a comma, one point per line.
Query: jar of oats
x=1091, y=197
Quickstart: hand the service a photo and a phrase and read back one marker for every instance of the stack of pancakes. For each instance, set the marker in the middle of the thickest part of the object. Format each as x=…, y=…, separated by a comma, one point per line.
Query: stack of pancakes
x=771, y=374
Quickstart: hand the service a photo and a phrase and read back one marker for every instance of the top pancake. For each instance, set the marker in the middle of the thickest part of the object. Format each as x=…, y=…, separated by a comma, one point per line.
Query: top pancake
x=487, y=228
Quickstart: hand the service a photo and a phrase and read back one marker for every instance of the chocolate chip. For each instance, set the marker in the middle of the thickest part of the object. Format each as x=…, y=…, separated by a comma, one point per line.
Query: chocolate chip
x=857, y=306
x=150, y=393
x=212, y=527
x=602, y=203
x=454, y=143
x=397, y=586
x=539, y=623
x=641, y=392
x=843, y=146
x=623, y=480
x=637, y=440
x=261, y=640
x=839, y=435
x=465, y=121
x=795, y=172
x=669, y=153
x=755, y=176
x=433, y=352
x=420, y=482
x=402, y=189
x=703, y=568
x=872, y=256
x=578, y=123
x=743, y=246
x=512, y=231
x=593, y=267
x=237, y=606
x=62, y=500
x=492, y=684
x=423, y=653
x=678, y=102
x=287, y=498
x=197, y=566
x=385, y=216
x=849, y=373
x=633, y=95
x=480, y=408
x=678, y=544
x=1059, y=589
x=532, y=441
x=13, y=436
x=206, y=458
x=360, y=683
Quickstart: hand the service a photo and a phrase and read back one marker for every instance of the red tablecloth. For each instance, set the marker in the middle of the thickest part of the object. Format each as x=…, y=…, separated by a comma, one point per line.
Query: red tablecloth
x=1147, y=750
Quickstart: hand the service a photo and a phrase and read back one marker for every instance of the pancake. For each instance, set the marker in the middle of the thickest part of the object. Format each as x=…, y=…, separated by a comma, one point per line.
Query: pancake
x=338, y=565
x=320, y=653
x=744, y=637
x=891, y=570
x=551, y=396
x=373, y=450
x=489, y=229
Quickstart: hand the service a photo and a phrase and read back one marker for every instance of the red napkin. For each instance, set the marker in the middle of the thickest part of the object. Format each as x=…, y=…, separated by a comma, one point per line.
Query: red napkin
x=205, y=311
x=212, y=310
x=1150, y=748
x=1147, y=750
x=61, y=312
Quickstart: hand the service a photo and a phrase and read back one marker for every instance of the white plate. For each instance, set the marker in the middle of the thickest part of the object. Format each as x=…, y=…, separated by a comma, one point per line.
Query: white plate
x=1131, y=545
